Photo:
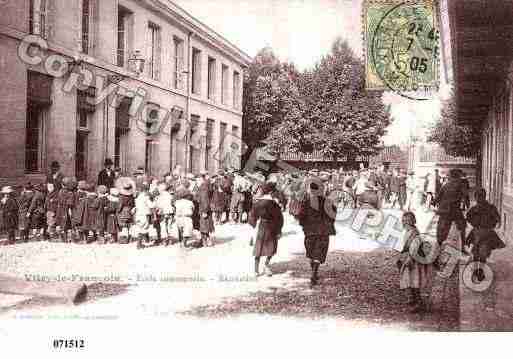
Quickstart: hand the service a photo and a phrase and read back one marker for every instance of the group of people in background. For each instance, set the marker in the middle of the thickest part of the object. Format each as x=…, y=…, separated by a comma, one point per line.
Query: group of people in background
x=185, y=208
x=117, y=209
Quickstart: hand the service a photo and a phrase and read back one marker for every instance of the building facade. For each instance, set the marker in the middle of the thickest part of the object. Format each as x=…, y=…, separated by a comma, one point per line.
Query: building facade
x=478, y=55
x=139, y=81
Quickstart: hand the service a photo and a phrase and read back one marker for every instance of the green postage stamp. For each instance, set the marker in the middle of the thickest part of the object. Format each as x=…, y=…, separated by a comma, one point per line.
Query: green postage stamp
x=401, y=40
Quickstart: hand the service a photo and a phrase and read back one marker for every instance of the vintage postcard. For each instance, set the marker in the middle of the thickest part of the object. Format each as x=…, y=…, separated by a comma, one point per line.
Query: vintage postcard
x=189, y=177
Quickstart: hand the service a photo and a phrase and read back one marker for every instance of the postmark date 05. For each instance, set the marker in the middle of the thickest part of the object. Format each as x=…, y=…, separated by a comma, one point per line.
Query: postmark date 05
x=69, y=343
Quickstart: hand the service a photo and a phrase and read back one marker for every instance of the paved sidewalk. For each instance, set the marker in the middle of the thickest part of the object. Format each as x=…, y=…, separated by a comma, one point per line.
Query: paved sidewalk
x=492, y=309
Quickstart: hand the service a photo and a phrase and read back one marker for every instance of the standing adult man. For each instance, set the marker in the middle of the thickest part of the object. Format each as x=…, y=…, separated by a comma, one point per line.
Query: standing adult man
x=449, y=207
x=55, y=176
x=107, y=177
x=438, y=182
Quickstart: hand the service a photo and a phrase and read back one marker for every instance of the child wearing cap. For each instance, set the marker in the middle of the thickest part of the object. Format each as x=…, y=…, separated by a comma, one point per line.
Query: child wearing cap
x=111, y=213
x=101, y=217
x=24, y=214
x=143, y=212
x=90, y=215
x=37, y=213
x=125, y=211
x=78, y=212
x=8, y=214
x=165, y=212
x=51, y=209
x=66, y=201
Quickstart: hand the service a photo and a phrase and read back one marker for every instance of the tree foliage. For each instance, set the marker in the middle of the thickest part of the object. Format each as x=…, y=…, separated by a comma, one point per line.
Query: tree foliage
x=324, y=109
x=455, y=139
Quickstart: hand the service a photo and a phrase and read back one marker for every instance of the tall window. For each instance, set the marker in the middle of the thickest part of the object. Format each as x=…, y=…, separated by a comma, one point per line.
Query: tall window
x=122, y=132
x=38, y=101
x=196, y=71
x=154, y=51
x=224, y=85
x=34, y=143
x=86, y=16
x=211, y=78
x=37, y=17
x=236, y=90
x=124, y=35
x=178, y=51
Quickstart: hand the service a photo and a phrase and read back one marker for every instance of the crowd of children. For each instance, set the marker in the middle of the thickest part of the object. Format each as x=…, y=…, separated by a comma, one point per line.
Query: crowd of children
x=175, y=208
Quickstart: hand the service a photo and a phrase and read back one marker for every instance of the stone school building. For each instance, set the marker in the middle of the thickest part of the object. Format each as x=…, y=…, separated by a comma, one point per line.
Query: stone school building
x=142, y=82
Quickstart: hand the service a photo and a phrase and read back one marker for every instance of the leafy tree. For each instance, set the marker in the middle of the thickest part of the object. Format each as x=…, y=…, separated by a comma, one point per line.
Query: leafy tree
x=324, y=109
x=455, y=139
x=268, y=88
x=334, y=114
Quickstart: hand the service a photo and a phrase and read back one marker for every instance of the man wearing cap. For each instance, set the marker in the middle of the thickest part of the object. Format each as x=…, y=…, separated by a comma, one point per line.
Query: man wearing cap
x=55, y=176
x=228, y=191
x=106, y=177
x=8, y=214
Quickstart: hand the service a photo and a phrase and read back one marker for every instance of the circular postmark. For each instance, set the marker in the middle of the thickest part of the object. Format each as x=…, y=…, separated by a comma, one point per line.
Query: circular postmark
x=405, y=50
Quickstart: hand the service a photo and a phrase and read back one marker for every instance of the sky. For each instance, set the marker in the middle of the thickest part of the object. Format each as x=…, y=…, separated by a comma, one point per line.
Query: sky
x=302, y=31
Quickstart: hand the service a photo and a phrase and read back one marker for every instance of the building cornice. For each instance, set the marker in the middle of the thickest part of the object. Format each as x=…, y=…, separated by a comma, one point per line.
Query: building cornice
x=204, y=32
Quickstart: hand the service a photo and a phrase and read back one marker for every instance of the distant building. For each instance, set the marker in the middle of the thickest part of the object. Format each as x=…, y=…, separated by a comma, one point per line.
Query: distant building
x=431, y=157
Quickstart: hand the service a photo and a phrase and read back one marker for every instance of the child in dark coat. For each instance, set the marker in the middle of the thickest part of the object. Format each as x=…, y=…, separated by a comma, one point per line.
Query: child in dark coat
x=101, y=216
x=51, y=203
x=37, y=213
x=65, y=204
x=483, y=217
x=125, y=212
x=111, y=213
x=8, y=214
x=89, y=218
x=78, y=212
x=24, y=211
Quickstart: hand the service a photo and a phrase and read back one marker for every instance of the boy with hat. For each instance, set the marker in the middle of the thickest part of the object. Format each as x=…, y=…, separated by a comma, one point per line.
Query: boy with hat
x=37, y=213
x=143, y=212
x=24, y=214
x=78, y=211
x=66, y=201
x=90, y=208
x=126, y=209
x=51, y=202
x=165, y=211
x=8, y=214
x=111, y=213
x=101, y=204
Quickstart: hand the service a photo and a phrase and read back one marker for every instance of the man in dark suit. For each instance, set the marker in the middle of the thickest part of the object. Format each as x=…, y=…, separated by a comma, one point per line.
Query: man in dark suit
x=106, y=177
x=55, y=176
